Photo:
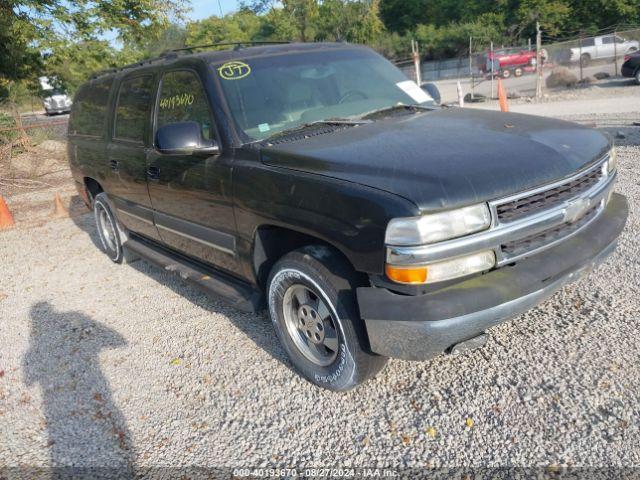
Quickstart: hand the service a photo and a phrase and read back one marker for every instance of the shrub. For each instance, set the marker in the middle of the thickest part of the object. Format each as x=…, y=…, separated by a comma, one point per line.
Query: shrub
x=561, y=77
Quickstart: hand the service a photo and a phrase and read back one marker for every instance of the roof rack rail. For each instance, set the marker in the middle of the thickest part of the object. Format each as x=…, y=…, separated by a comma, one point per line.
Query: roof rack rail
x=236, y=45
x=168, y=54
x=145, y=61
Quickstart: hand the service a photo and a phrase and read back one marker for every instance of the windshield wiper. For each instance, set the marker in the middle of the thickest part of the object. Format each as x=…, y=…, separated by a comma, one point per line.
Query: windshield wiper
x=395, y=108
x=338, y=123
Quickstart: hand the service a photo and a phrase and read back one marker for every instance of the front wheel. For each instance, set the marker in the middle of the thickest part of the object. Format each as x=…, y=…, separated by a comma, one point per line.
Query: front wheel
x=313, y=309
x=638, y=76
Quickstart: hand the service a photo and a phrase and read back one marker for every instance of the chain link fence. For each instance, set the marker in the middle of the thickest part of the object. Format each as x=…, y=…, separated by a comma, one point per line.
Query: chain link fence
x=580, y=61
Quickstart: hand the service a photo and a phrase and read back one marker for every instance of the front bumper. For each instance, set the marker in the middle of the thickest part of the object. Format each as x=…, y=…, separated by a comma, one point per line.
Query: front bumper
x=58, y=109
x=423, y=326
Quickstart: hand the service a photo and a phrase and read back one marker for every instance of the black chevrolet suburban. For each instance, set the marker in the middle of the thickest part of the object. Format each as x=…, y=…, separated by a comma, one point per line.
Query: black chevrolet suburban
x=318, y=182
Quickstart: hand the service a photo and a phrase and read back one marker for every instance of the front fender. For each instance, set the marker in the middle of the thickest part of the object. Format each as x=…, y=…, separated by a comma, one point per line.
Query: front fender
x=351, y=217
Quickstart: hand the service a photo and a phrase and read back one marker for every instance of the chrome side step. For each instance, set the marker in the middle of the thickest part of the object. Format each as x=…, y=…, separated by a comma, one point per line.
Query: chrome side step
x=236, y=293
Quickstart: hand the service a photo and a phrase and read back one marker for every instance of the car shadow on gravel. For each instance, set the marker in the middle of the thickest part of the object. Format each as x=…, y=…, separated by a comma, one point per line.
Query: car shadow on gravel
x=85, y=428
x=256, y=327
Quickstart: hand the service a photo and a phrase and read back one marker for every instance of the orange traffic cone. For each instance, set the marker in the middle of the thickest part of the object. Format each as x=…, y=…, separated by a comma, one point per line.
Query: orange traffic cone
x=6, y=219
x=59, y=209
x=502, y=97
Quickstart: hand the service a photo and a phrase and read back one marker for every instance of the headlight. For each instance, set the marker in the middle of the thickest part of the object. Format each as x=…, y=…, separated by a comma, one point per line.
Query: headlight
x=438, y=226
x=612, y=163
x=441, y=271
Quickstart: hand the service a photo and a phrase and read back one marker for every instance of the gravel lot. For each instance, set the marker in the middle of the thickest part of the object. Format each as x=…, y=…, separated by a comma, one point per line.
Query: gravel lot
x=106, y=365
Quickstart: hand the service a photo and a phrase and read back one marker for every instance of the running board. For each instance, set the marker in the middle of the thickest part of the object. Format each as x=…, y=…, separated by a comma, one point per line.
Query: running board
x=234, y=292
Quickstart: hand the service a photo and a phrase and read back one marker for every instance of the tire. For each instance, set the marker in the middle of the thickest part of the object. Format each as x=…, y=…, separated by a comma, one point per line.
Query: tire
x=518, y=72
x=506, y=73
x=585, y=60
x=312, y=305
x=108, y=228
x=637, y=76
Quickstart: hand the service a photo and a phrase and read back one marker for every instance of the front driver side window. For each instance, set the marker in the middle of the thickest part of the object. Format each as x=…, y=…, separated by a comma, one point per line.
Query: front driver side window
x=182, y=99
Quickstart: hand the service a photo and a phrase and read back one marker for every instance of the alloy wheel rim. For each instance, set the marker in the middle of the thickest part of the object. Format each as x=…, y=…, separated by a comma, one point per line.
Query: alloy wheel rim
x=107, y=229
x=311, y=325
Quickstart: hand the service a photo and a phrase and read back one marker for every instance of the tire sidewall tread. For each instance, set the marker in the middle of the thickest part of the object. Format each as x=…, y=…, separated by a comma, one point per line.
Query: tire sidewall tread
x=321, y=270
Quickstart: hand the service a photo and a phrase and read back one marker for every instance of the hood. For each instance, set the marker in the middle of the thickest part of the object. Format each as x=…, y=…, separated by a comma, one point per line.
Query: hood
x=447, y=158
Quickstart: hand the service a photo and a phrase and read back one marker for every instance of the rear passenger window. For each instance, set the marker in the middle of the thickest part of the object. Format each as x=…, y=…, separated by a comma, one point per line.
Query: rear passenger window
x=132, y=111
x=89, y=109
x=182, y=99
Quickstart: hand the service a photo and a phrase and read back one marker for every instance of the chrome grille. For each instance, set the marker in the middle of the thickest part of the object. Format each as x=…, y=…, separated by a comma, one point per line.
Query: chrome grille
x=547, y=237
x=543, y=200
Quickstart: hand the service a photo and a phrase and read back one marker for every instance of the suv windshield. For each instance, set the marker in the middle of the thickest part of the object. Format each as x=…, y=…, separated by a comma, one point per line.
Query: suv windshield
x=54, y=91
x=270, y=94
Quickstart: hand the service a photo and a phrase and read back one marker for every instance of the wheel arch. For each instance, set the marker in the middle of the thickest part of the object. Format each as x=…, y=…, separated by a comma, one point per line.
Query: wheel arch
x=93, y=188
x=272, y=242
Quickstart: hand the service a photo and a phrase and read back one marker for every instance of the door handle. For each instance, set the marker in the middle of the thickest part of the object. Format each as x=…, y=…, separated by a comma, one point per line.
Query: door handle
x=153, y=173
x=114, y=165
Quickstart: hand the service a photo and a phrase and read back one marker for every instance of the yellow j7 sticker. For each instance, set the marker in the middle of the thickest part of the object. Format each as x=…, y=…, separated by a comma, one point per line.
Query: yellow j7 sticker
x=234, y=70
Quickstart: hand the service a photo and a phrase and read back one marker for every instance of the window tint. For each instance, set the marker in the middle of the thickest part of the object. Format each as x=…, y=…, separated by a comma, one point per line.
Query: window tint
x=588, y=42
x=132, y=112
x=182, y=99
x=90, y=109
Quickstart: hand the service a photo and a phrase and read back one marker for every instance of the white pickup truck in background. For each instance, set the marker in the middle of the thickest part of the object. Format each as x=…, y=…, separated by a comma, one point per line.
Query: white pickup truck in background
x=603, y=47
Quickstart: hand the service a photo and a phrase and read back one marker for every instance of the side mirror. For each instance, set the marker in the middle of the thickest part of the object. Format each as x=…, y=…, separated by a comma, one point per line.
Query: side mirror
x=433, y=92
x=184, y=138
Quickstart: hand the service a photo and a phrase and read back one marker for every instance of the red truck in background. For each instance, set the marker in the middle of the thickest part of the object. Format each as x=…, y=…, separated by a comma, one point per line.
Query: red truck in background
x=509, y=62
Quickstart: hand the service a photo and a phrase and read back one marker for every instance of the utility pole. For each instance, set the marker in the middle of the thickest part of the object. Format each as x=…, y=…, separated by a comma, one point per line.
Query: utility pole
x=471, y=66
x=416, y=61
x=581, y=66
x=538, y=61
x=493, y=73
x=615, y=52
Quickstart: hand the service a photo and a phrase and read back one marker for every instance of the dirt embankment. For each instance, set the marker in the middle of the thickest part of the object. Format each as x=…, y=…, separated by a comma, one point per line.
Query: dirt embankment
x=30, y=177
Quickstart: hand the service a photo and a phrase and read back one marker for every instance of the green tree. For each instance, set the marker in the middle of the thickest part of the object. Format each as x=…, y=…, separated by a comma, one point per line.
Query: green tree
x=357, y=22
x=552, y=14
x=303, y=14
x=37, y=33
x=242, y=26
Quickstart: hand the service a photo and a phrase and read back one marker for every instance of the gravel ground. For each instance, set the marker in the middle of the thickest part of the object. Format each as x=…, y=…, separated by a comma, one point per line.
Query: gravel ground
x=107, y=365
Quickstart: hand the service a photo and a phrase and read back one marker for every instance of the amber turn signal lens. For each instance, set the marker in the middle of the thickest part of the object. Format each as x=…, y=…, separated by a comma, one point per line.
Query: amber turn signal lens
x=411, y=275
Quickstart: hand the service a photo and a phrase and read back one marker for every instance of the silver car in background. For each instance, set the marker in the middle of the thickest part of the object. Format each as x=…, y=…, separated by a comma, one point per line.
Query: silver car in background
x=57, y=102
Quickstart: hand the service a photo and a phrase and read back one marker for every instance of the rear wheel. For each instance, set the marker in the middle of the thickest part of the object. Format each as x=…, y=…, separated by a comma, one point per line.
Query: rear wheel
x=506, y=73
x=585, y=59
x=314, y=312
x=518, y=72
x=638, y=76
x=107, y=227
